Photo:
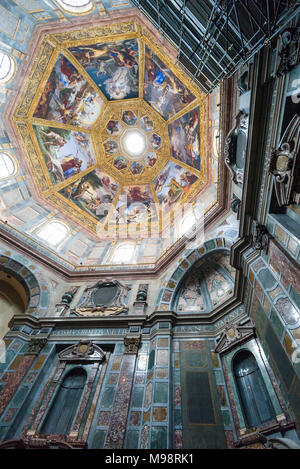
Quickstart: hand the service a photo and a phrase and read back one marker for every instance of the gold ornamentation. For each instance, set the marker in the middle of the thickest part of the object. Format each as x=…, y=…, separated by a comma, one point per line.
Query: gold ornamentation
x=101, y=311
x=60, y=43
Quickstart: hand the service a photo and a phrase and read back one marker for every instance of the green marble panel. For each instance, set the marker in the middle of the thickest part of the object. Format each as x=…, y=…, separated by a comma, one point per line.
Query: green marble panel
x=137, y=397
x=277, y=324
x=132, y=439
x=161, y=392
x=266, y=278
x=177, y=417
x=98, y=440
x=151, y=359
x=108, y=398
x=158, y=438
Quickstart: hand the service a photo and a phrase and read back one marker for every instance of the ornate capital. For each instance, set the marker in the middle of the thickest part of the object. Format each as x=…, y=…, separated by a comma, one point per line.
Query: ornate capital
x=35, y=345
x=132, y=343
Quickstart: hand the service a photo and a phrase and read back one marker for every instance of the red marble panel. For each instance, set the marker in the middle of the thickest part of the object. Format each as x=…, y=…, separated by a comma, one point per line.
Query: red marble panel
x=117, y=427
x=281, y=263
x=178, y=439
x=177, y=395
x=85, y=399
x=13, y=380
x=145, y=437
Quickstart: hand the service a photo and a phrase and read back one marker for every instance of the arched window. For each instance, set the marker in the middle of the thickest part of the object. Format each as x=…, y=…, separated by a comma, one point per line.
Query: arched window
x=8, y=165
x=123, y=253
x=65, y=405
x=187, y=223
x=7, y=67
x=76, y=6
x=54, y=232
x=254, y=398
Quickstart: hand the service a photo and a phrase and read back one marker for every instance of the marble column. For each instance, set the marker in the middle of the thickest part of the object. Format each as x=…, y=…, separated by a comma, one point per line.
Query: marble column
x=18, y=369
x=117, y=427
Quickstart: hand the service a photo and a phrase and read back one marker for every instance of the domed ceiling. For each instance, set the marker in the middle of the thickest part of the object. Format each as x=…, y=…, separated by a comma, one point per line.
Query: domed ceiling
x=112, y=129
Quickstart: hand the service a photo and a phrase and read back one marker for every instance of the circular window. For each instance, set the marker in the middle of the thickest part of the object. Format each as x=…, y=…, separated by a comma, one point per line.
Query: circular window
x=7, y=67
x=7, y=165
x=76, y=6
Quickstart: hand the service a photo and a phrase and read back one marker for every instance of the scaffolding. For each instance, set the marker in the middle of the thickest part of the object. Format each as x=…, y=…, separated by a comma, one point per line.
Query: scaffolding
x=215, y=38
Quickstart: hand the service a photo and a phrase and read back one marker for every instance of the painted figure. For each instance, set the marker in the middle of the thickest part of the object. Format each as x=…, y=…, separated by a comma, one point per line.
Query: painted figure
x=162, y=89
x=113, y=66
x=184, y=135
x=68, y=98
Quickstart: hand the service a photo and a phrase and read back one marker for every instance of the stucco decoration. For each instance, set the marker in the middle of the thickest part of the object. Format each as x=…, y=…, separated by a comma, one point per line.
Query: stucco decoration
x=107, y=297
x=83, y=351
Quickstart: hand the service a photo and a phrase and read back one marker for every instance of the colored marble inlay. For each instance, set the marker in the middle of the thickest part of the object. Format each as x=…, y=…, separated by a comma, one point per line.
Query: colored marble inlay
x=104, y=418
x=281, y=263
x=287, y=311
x=116, y=432
x=178, y=439
x=21, y=366
x=177, y=395
x=135, y=418
x=160, y=414
x=161, y=373
x=280, y=234
x=162, y=342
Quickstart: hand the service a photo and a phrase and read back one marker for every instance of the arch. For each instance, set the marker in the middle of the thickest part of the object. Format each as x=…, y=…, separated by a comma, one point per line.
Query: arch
x=7, y=68
x=53, y=232
x=14, y=297
x=8, y=165
x=65, y=405
x=123, y=253
x=168, y=291
x=76, y=7
x=34, y=284
x=253, y=395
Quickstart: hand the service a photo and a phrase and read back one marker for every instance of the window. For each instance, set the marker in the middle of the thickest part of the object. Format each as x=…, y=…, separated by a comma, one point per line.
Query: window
x=7, y=67
x=54, y=232
x=254, y=398
x=76, y=6
x=187, y=223
x=123, y=253
x=8, y=166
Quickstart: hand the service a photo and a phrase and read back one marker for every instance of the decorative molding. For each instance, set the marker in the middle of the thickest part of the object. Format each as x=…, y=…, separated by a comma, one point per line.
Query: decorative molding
x=132, y=343
x=261, y=237
x=288, y=51
x=88, y=306
x=49, y=442
x=285, y=165
x=241, y=125
x=35, y=346
x=82, y=352
x=234, y=335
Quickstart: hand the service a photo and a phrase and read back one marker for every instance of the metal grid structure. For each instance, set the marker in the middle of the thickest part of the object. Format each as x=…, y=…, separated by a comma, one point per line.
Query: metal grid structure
x=215, y=37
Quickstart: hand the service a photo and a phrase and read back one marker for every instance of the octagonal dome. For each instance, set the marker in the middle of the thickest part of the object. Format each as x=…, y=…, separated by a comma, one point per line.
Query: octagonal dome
x=81, y=118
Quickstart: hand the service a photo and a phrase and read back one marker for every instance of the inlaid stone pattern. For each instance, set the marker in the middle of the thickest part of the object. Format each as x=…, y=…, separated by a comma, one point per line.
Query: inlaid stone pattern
x=136, y=435
x=178, y=437
x=117, y=427
x=106, y=399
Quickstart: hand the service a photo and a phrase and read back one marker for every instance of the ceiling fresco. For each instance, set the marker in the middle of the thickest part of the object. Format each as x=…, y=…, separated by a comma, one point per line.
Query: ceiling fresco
x=113, y=130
